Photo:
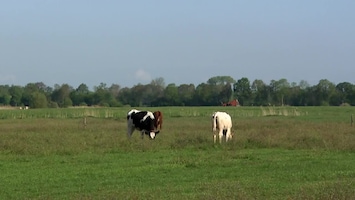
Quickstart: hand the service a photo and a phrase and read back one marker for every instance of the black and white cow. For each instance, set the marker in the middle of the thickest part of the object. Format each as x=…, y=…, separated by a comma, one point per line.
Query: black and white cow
x=143, y=121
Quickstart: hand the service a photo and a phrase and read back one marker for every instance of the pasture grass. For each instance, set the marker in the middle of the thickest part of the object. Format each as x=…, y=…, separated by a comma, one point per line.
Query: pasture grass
x=272, y=156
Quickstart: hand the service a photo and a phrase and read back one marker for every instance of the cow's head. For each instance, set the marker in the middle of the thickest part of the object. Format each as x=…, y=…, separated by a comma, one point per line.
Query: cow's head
x=150, y=122
x=152, y=134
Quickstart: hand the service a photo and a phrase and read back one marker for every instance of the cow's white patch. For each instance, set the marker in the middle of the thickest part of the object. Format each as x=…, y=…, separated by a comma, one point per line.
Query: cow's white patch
x=149, y=114
x=132, y=111
x=152, y=135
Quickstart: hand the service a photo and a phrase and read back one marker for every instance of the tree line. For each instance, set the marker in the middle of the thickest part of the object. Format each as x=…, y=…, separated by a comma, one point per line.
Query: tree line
x=214, y=92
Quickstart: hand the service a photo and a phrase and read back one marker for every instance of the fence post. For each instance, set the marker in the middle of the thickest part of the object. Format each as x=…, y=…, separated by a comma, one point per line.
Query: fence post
x=84, y=122
x=352, y=120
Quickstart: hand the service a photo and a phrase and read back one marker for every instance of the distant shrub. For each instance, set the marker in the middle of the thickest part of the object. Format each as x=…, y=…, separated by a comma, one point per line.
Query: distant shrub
x=38, y=100
x=115, y=104
x=67, y=102
x=83, y=104
x=324, y=103
x=53, y=104
x=104, y=104
x=345, y=104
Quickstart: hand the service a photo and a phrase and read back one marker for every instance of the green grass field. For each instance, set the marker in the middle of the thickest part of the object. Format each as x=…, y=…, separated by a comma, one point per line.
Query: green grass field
x=276, y=153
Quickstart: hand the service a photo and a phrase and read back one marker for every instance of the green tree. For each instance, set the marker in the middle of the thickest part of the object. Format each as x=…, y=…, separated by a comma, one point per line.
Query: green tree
x=310, y=95
x=280, y=91
x=80, y=95
x=82, y=89
x=296, y=96
x=324, y=90
x=260, y=93
x=226, y=93
x=346, y=92
x=105, y=96
x=159, y=83
x=171, y=94
x=186, y=94
x=124, y=96
x=242, y=91
x=304, y=85
x=114, y=89
x=136, y=95
x=5, y=96
x=27, y=91
x=38, y=100
x=149, y=94
x=206, y=95
x=221, y=90
x=154, y=94
x=61, y=95
x=220, y=80
x=16, y=95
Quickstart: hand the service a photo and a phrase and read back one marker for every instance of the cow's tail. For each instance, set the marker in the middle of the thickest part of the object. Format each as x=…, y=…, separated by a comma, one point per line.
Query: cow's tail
x=214, y=122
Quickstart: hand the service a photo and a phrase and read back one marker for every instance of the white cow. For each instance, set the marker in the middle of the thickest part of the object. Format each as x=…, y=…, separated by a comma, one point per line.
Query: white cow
x=221, y=122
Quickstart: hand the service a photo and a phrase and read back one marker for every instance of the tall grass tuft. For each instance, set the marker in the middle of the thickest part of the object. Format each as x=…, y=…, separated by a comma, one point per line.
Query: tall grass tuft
x=280, y=111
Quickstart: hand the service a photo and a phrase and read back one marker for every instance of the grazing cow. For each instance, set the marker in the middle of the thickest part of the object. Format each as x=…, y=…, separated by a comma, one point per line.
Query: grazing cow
x=158, y=119
x=221, y=122
x=143, y=121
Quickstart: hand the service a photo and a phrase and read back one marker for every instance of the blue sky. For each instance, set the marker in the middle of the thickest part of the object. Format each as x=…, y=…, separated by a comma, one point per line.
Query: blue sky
x=185, y=41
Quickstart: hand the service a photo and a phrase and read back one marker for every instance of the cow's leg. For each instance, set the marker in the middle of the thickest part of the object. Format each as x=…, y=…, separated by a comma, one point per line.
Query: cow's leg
x=228, y=134
x=214, y=137
x=142, y=134
x=220, y=135
x=130, y=130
